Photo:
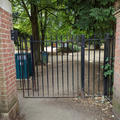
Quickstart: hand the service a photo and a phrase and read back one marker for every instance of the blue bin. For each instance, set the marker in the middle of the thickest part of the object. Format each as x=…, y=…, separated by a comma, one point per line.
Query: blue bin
x=23, y=65
x=44, y=57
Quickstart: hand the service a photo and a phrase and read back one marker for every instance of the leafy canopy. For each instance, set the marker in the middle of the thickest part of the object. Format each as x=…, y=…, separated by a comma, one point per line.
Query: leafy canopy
x=91, y=15
x=77, y=16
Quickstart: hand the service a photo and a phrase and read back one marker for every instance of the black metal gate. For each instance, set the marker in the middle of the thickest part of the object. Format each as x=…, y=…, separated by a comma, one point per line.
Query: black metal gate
x=65, y=66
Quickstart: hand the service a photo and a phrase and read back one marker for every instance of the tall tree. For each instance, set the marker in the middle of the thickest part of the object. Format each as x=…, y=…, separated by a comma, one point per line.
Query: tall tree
x=33, y=9
x=94, y=16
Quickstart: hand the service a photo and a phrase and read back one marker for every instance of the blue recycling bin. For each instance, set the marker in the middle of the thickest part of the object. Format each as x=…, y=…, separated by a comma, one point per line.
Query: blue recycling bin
x=44, y=57
x=23, y=65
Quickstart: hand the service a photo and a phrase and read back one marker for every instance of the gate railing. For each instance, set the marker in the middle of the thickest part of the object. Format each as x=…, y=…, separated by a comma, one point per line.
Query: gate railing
x=65, y=66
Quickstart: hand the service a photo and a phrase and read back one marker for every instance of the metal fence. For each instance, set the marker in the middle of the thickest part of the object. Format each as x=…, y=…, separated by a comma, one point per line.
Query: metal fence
x=65, y=66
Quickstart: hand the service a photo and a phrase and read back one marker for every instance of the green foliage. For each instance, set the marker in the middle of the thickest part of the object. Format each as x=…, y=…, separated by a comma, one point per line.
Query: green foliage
x=94, y=16
x=108, y=68
x=109, y=71
x=54, y=21
x=71, y=48
x=75, y=48
x=20, y=19
x=76, y=16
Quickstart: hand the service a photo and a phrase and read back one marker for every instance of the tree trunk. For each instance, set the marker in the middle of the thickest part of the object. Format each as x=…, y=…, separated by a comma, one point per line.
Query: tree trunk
x=35, y=33
x=43, y=29
x=43, y=38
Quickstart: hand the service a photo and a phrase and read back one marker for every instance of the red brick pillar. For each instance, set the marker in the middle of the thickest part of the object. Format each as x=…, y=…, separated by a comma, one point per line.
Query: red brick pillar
x=8, y=93
x=116, y=96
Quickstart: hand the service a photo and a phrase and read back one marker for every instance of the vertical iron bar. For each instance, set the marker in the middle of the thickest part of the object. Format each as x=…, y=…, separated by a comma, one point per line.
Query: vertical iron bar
x=22, y=68
x=47, y=68
x=26, y=48
x=67, y=67
x=88, y=66
x=99, y=68
x=62, y=68
x=57, y=65
x=109, y=81
x=112, y=65
x=37, y=78
x=77, y=43
x=52, y=67
x=94, y=70
x=36, y=71
x=82, y=62
x=18, y=58
x=72, y=66
x=32, y=43
x=42, y=69
x=105, y=62
x=104, y=82
x=24, y=64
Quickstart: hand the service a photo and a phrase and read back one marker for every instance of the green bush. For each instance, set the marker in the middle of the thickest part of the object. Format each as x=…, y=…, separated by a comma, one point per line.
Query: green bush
x=70, y=48
x=75, y=48
x=108, y=68
x=109, y=71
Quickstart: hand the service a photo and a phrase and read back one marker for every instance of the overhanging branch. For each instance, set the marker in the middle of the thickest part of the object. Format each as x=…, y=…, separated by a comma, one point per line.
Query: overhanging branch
x=51, y=13
x=26, y=9
x=53, y=8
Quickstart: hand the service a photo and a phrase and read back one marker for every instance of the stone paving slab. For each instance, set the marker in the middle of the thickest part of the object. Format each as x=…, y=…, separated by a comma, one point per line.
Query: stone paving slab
x=53, y=109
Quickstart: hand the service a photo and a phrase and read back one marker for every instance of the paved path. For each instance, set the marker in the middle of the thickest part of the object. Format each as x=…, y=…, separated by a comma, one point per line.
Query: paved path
x=53, y=109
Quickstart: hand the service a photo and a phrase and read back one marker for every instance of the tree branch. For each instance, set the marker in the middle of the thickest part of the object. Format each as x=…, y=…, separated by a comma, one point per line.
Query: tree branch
x=51, y=13
x=41, y=21
x=45, y=22
x=10, y=0
x=25, y=7
x=53, y=8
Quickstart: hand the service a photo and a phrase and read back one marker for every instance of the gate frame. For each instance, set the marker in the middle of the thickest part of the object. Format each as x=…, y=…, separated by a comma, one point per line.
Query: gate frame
x=83, y=39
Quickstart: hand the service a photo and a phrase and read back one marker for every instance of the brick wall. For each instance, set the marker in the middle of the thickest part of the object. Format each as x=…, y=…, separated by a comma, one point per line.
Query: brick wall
x=116, y=97
x=8, y=96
